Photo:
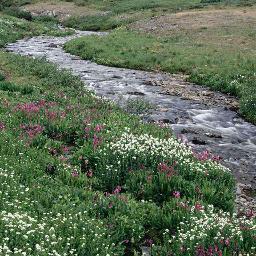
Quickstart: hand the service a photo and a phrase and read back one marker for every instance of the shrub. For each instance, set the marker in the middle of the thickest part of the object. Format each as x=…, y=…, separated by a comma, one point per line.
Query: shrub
x=2, y=77
x=19, y=13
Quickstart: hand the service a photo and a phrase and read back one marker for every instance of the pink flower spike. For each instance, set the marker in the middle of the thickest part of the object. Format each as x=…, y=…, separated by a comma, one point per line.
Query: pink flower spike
x=176, y=194
x=198, y=207
x=227, y=242
x=75, y=174
x=2, y=126
x=98, y=128
x=249, y=213
x=65, y=149
x=89, y=174
x=117, y=190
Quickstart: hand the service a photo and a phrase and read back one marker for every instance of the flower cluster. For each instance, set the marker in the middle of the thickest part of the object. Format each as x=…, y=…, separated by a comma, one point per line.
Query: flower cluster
x=25, y=233
x=209, y=230
x=145, y=147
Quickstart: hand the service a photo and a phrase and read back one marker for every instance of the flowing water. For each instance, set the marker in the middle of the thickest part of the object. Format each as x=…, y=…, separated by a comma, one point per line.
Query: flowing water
x=215, y=128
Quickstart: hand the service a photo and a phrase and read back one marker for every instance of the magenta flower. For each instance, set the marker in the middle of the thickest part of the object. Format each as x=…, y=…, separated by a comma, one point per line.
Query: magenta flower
x=89, y=174
x=210, y=251
x=149, y=242
x=29, y=108
x=87, y=129
x=75, y=174
x=52, y=104
x=63, y=114
x=51, y=115
x=200, y=251
x=176, y=194
x=163, y=167
x=98, y=128
x=65, y=149
x=2, y=126
x=110, y=205
x=216, y=158
x=227, y=242
x=96, y=141
x=249, y=213
x=203, y=156
x=198, y=206
x=32, y=130
x=117, y=190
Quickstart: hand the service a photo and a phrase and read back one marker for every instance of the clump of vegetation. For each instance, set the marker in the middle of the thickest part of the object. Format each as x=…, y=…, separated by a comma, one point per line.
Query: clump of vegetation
x=19, y=13
x=95, y=22
x=13, y=3
x=13, y=28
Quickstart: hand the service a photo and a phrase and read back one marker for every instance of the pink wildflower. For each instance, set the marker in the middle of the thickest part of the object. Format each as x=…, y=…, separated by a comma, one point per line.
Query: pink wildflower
x=2, y=126
x=117, y=190
x=75, y=174
x=149, y=242
x=198, y=206
x=216, y=158
x=249, y=213
x=51, y=115
x=176, y=194
x=65, y=149
x=96, y=141
x=32, y=130
x=29, y=108
x=203, y=156
x=98, y=128
x=89, y=174
x=227, y=242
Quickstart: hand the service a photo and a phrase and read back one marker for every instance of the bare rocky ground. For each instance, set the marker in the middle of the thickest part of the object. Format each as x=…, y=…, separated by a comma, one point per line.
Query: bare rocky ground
x=168, y=24
x=61, y=10
x=188, y=91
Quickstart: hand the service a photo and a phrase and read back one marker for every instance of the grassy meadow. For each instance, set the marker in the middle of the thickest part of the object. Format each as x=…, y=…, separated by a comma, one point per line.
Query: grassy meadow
x=79, y=179
x=79, y=176
x=216, y=48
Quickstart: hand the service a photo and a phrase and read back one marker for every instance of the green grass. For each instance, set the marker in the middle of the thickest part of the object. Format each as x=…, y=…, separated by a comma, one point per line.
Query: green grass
x=122, y=12
x=228, y=69
x=95, y=186
x=13, y=3
x=13, y=28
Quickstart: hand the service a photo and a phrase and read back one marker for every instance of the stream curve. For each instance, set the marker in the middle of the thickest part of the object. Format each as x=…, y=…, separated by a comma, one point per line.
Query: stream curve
x=215, y=128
